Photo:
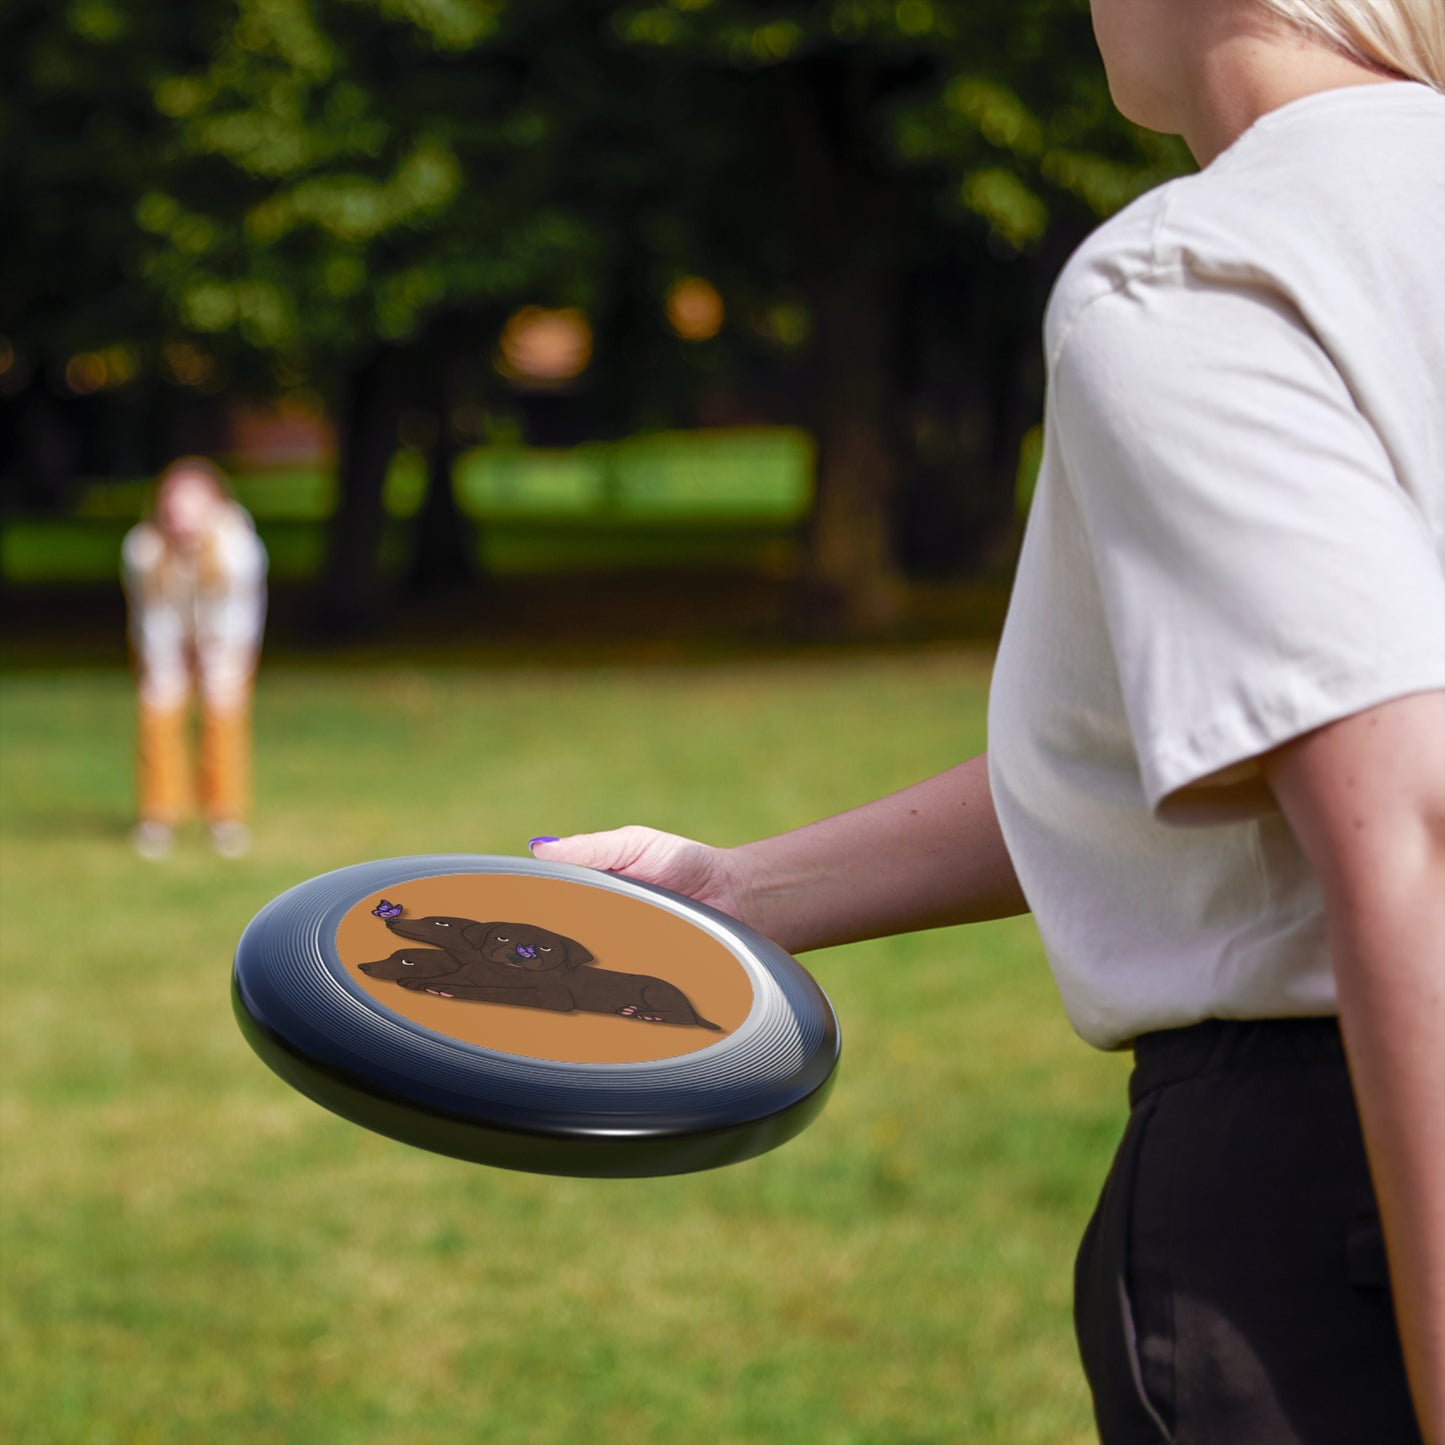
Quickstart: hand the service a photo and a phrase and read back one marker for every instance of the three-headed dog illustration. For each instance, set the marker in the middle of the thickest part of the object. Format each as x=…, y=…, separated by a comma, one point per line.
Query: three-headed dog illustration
x=523, y=965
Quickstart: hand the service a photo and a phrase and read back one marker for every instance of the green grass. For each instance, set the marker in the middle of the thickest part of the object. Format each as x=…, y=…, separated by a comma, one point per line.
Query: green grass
x=86, y=550
x=193, y=1253
x=760, y=473
x=681, y=499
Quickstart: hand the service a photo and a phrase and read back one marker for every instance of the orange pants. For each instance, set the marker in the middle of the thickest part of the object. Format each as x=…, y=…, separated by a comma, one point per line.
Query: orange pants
x=163, y=762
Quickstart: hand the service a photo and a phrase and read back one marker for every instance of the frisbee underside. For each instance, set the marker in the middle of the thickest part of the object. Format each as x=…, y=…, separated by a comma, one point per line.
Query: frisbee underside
x=730, y=1090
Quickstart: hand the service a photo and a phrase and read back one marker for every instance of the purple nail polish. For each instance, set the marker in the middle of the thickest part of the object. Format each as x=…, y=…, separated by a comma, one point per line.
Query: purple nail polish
x=532, y=843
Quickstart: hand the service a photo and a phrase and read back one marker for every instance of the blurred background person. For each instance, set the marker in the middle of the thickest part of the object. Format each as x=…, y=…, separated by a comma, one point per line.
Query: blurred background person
x=195, y=582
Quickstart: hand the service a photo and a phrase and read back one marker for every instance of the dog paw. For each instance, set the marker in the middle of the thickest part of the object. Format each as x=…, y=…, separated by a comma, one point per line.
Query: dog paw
x=438, y=992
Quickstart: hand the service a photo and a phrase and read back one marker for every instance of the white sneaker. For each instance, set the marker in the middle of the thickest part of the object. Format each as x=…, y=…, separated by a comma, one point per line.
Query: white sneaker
x=231, y=839
x=152, y=840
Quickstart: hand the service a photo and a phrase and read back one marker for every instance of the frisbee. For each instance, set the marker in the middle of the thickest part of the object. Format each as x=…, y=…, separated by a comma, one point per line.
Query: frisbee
x=535, y=1016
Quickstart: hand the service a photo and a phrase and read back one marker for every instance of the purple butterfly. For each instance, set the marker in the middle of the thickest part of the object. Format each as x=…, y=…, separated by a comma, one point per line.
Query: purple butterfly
x=387, y=910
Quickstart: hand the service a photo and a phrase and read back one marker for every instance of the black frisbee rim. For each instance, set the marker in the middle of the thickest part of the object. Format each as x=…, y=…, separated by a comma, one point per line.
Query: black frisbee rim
x=314, y=1026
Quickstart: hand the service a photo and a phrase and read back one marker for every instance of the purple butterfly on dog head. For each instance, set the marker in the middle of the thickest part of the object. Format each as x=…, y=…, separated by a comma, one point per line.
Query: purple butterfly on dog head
x=387, y=910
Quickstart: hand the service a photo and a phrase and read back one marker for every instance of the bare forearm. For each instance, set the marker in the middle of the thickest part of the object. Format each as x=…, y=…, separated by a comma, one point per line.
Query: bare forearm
x=926, y=857
x=1366, y=799
x=1390, y=969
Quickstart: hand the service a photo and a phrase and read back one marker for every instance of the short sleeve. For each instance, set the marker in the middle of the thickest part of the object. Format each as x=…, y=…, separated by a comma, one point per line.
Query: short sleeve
x=140, y=555
x=1263, y=571
x=239, y=550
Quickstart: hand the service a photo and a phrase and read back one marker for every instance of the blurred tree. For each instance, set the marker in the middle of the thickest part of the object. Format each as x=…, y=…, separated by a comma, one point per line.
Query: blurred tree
x=353, y=195
x=79, y=139
x=369, y=187
x=919, y=169
x=363, y=190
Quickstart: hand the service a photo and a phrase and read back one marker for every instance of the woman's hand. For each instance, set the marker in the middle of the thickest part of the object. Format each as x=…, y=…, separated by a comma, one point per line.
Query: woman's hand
x=927, y=857
x=710, y=875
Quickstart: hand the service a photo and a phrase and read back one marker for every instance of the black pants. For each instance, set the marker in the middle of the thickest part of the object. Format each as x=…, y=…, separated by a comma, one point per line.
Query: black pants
x=1231, y=1288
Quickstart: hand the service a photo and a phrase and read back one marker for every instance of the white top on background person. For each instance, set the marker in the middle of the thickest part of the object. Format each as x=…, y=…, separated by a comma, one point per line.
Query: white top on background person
x=1238, y=536
x=195, y=579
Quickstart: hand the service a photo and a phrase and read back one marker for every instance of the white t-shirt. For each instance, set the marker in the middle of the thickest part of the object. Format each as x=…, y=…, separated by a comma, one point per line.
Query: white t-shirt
x=187, y=626
x=1238, y=536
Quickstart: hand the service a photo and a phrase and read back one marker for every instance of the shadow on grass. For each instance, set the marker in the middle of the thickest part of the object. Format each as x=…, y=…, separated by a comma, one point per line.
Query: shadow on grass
x=578, y=620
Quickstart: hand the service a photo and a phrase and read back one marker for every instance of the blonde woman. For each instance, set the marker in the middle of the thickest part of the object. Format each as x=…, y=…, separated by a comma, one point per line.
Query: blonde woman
x=195, y=583
x=1217, y=734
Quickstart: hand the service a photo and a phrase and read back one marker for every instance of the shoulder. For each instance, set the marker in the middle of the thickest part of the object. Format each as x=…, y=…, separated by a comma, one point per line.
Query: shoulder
x=239, y=548
x=142, y=549
x=1115, y=256
x=1339, y=188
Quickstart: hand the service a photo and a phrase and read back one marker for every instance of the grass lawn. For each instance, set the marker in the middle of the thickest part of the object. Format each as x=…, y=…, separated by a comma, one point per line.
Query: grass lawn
x=734, y=497
x=193, y=1253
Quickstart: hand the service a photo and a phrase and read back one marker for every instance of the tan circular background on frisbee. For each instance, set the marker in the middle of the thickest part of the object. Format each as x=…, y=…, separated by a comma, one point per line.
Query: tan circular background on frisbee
x=623, y=934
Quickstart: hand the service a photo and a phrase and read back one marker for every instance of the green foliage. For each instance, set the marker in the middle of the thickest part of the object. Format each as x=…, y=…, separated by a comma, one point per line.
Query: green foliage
x=340, y=173
x=79, y=140
x=190, y=1251
x=299, y=178
x=1002, y=106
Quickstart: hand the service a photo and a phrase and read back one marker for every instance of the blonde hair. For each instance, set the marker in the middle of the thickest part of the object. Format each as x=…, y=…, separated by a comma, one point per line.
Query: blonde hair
x=1404, y=37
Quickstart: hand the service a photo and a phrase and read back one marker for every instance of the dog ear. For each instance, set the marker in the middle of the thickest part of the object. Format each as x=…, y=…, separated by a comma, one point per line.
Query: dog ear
x=475, y=934
x=576, y=954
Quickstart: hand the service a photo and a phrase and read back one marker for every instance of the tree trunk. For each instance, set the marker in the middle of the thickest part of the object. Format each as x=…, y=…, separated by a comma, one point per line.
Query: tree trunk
x=851, y=267
x=349, y=601
x=974, y=387
x=47, y=451
x=442, y=557
x=851, y=554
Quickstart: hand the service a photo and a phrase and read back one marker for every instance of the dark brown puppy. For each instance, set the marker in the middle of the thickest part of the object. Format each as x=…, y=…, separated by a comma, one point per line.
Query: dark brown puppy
x=412, y=967
x=516, y=945
x=423, y=970
x=519, y=963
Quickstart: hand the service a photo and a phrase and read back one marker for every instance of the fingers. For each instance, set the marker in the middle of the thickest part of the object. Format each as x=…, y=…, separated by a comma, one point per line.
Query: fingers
x=616, y=851
x=672, y=862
